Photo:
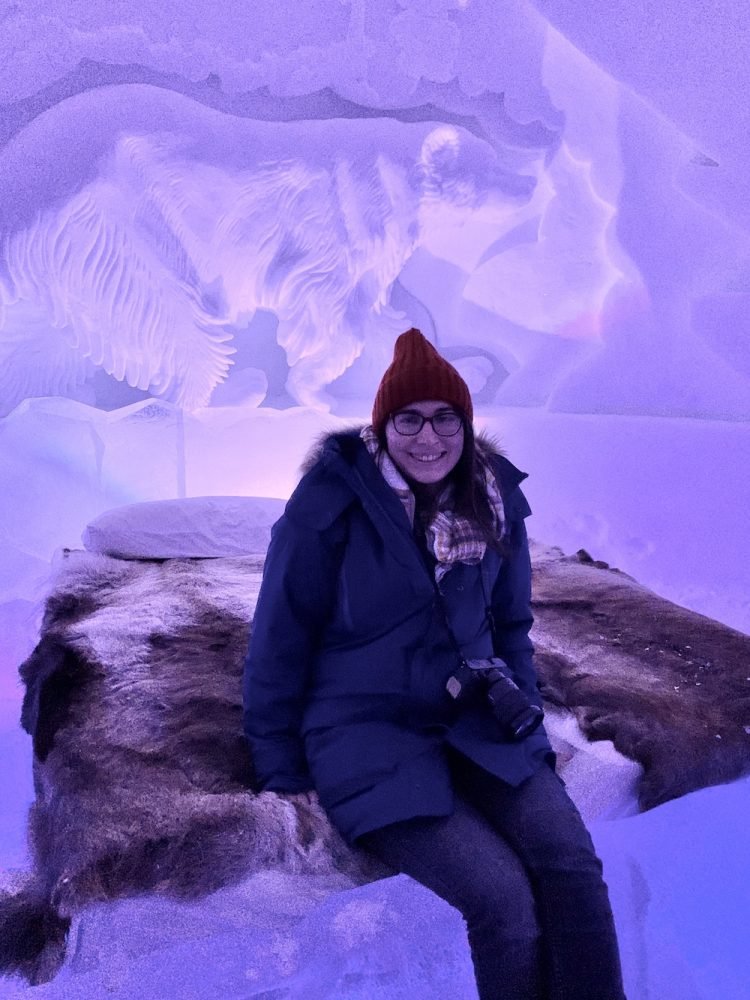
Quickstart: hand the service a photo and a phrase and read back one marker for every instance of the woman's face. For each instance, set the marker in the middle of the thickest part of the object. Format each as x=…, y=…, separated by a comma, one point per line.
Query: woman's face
x=426, y=457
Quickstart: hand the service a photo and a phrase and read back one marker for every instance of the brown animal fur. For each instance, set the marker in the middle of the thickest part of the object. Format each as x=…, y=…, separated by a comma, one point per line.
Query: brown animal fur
x=669, y=687
x=142, y=774
x=141, y=770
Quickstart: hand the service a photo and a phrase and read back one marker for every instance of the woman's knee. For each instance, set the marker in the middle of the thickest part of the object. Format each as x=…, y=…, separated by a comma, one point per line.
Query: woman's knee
x=500, y=895
x=547, y=829
x=463, y=860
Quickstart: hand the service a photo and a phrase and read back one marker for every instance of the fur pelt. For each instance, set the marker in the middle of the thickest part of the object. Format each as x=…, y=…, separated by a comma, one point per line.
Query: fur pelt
x=141, y=771
x=142, y=775
x=669, y=687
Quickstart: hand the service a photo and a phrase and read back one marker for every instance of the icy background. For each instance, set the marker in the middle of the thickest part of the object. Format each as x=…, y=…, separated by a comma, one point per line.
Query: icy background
x=214, y=219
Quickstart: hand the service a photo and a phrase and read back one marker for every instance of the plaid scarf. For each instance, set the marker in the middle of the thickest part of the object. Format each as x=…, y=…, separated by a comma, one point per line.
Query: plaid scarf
x=450, y=537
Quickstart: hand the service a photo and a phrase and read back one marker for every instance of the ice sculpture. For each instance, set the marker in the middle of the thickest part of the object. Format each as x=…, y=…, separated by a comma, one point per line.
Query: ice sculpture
x=147, y=268
x=467, y=168
x=178, y=236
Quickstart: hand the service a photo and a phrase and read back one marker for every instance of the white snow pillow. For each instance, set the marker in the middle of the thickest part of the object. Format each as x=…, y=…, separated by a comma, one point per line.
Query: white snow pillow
x=196, y=527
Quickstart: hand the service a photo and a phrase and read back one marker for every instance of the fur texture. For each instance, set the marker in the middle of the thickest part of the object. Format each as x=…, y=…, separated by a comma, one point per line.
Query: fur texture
x=141, y=770
x=669, y=687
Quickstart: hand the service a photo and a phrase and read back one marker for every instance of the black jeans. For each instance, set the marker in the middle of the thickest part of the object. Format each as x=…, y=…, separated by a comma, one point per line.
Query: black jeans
x=520, y=866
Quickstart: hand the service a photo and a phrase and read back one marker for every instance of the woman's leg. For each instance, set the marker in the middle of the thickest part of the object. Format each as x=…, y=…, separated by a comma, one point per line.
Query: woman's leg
x=539, y=820
x=461, y=858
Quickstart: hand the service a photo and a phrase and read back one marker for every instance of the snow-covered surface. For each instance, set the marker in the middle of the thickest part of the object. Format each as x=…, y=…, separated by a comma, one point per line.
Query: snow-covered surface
x=602, y=782
x=662, y=500
x=679, y=878
x=273, y=936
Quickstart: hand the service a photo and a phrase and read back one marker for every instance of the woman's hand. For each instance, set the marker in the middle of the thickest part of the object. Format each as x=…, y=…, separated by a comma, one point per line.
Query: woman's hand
x=309, y=799
x=312, y=822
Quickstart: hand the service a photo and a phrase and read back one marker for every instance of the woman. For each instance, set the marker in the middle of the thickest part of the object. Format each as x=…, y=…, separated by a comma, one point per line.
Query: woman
x=399, y=569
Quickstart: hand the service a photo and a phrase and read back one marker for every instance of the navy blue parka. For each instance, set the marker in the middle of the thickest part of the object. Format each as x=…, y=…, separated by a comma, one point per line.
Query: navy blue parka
x=344, y=682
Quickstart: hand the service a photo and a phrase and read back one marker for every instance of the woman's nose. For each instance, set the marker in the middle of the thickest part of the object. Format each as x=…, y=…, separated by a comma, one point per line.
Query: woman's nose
x=427, y=434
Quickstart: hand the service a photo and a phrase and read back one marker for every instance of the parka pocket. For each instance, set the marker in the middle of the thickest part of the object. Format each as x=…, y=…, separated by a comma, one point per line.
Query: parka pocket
x=347, y=759
x=339, y=793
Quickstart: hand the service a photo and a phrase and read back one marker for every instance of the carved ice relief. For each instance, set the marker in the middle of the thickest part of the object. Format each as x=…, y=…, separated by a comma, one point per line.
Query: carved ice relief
x=146, y=250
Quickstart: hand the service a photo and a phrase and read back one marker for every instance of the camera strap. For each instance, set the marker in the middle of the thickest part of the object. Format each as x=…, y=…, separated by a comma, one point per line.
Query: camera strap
x=486, y=592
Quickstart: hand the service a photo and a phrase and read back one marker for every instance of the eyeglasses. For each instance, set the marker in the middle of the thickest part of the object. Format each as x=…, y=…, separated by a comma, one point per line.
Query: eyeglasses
x=445, y=424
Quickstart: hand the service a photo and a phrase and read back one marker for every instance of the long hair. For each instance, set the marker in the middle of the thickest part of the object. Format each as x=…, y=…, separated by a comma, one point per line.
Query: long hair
x=470, y=498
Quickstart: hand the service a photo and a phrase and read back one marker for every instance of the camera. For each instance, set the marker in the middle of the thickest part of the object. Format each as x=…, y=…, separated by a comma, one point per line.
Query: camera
x=510, y=706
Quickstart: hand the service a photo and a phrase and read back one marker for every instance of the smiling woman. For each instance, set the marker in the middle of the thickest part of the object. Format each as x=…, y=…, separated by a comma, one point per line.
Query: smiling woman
x=390, y=672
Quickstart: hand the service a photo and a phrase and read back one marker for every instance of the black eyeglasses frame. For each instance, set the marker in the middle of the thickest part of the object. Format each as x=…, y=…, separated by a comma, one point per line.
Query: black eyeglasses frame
x=427, y=420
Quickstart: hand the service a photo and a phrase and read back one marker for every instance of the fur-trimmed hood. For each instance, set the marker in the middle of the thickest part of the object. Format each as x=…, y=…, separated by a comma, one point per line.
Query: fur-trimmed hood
x=346, y=442
x=341, y=460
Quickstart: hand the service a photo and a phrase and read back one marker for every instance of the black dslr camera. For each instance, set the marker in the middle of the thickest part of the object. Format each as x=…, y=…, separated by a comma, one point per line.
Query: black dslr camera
x=510, y=706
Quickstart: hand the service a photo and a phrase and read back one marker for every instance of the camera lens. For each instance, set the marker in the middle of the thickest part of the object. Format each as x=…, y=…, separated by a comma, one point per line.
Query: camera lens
x=511, y=707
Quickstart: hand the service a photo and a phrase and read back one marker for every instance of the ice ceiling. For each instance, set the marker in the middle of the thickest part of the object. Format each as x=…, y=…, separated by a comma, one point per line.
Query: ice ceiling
x=242, y=203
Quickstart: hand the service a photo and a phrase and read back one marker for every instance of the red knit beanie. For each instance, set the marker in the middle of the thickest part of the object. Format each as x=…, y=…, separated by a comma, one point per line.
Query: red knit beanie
x=418, y=372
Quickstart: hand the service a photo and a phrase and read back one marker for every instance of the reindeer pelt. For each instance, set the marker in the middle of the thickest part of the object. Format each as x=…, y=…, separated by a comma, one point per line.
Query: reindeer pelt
x=142, y=775
x=668, y=686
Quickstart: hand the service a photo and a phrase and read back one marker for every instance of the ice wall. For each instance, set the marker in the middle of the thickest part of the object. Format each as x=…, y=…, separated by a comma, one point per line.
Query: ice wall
x=233, y=210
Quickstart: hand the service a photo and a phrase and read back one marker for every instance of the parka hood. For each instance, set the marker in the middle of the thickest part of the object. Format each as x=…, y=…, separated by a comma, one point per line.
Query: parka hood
x=348, y=445
x=345, y=440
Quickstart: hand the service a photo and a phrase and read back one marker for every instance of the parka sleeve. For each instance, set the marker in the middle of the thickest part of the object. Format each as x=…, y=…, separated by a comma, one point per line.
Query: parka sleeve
x=295, y=599
x=511, y=601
